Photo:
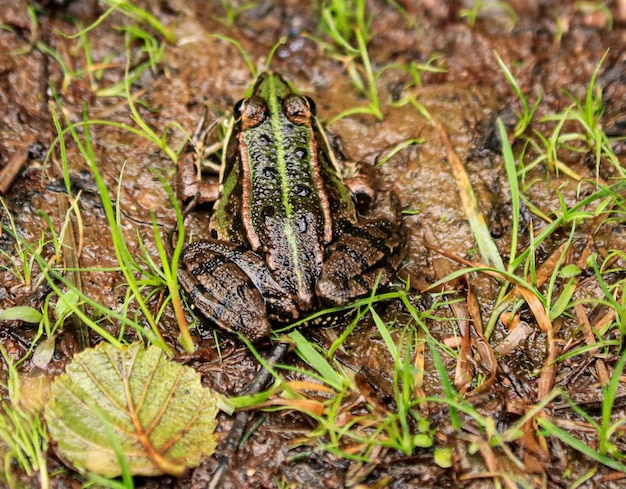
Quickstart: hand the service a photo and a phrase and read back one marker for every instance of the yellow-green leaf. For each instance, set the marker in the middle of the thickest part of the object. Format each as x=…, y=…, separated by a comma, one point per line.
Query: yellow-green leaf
x=443, y=457
x=21, y=313
x=161, y=416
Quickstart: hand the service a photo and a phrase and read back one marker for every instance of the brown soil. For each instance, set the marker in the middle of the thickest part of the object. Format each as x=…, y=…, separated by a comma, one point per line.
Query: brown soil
x=553, y=49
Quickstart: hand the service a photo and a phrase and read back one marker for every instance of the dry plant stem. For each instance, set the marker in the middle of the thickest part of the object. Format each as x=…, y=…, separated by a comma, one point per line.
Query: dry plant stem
x=546, y=380
x=474, y=352
x=491, y=462
x=544, y=272
x=476, y=219
x=614, y=476
x=466, y=363
x=547, y=374
x=604, y=320
x=13, y=168
x=531, y=442
x=482, y=347
x=463, y=372
x=420, y=362
x=314, y=407
x=590, y=338
x=237, y=430
x=516, y=337
x=473, y=308
x=484, y=357
x=588, y=250
x=71, y=252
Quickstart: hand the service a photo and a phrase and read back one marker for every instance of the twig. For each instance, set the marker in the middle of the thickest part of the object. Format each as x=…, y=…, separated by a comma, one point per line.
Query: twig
x=10, y=172
x=590, y=338
x=240, y=423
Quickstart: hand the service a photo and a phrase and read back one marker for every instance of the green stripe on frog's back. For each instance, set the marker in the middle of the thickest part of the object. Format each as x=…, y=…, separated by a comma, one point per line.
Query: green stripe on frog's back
x=285, y=205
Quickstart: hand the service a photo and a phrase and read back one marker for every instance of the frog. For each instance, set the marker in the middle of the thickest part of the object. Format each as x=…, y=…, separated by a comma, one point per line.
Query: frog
x=287, y=235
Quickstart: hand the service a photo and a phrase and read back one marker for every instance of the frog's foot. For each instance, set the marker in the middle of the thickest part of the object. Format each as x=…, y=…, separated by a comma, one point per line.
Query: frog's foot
x=361, y=255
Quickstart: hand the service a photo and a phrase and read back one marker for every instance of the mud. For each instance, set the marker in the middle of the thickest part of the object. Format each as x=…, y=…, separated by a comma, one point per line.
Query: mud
x=552, y=49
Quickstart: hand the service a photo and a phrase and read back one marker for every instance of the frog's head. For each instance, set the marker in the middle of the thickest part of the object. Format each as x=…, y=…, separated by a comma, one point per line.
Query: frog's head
x=271, y=97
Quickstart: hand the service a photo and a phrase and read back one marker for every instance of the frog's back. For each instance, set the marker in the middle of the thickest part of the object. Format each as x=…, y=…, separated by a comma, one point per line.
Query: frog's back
x=280, y=187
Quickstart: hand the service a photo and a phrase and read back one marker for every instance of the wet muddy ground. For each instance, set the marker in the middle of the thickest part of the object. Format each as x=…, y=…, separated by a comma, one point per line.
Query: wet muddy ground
x=552, y=49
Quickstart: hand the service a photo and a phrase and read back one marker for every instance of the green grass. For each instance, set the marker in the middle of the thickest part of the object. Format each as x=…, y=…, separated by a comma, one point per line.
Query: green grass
x=22, y=431
x=142, y=29
x=21, y=262
x=349, y=434
x=577, y=129
x=347, y=25
x=528, y=112
x=478, y=7
x=232, y=11
x=144, y=278
x=342, y=428
x=557, y=292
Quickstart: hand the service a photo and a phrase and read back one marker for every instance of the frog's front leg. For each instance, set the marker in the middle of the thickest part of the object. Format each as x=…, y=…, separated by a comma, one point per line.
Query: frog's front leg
x=231, y=287
x=361, y=255
x=189, y=184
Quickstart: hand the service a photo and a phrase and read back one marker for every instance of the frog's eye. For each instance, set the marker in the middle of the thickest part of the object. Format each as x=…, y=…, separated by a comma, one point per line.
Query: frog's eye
x=253, y=112
x=238, y=109
x=311, y=103
x=297, y=110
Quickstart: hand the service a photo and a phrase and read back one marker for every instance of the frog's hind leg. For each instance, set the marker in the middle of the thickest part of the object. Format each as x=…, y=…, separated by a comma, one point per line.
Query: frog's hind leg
x=220, y=292
x=361, y=256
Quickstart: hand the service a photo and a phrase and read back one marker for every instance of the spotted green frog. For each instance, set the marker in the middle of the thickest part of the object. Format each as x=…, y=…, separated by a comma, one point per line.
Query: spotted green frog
x=286, y=237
